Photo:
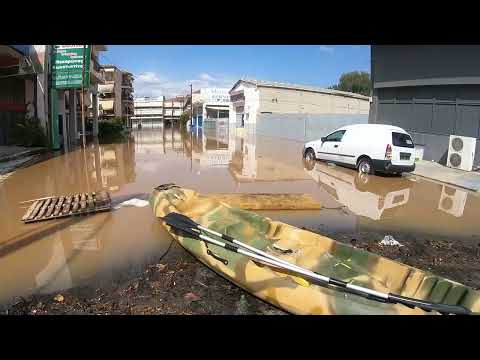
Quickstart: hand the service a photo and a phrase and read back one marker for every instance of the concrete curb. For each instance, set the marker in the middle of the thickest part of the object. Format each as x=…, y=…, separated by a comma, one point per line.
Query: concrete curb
x=22, y=154
x=444, y=182
x=437, y=173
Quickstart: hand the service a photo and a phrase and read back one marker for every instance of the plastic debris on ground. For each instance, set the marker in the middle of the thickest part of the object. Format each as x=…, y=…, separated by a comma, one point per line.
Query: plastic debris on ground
x=389, y=240
x=132, y=202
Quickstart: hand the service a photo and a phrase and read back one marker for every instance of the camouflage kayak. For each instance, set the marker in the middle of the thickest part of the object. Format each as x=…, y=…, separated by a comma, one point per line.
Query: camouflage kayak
x=306, y=249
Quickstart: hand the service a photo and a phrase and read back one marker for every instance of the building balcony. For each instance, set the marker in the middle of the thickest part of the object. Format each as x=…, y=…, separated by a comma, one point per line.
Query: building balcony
x=106, y=88
x=96, y=72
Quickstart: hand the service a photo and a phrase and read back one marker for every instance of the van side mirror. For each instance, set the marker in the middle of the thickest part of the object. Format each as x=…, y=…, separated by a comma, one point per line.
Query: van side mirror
x=323, y=139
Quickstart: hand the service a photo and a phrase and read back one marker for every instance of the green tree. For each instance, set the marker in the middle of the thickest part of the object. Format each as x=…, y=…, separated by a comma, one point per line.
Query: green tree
x=185, y=117
x=356, y=81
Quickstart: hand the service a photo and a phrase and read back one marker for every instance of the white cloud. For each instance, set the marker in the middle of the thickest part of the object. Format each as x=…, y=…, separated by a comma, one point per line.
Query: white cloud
x=155, y=84
x=327, y=49
x=207, y=77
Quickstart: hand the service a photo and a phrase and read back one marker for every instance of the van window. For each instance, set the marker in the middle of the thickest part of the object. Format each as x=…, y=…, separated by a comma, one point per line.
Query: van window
x=336, y=136
x=402, y=140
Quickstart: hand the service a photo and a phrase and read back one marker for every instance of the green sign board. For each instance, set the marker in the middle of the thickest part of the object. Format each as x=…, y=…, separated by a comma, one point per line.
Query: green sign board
x=67, y=66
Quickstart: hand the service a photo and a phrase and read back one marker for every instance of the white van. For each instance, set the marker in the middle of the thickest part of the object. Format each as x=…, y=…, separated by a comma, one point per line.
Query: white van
x=366, y=147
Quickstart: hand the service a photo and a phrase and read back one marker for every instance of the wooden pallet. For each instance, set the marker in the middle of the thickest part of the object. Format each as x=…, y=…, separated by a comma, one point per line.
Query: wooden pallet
x=56, y=207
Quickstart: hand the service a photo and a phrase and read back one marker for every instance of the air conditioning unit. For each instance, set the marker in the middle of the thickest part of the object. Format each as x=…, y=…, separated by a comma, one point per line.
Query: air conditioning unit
x=452, y=201
x=461, y=152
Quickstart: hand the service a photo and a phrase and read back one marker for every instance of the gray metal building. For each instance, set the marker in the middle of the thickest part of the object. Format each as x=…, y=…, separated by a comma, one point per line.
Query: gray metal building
x=432, y=91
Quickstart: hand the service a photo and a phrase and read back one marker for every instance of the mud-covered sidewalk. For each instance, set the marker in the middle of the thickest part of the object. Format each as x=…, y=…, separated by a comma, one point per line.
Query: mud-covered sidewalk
x=179, y=284
x=16, y=157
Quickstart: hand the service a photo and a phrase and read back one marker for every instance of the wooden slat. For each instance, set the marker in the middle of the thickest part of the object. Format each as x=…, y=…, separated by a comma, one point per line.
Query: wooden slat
x=51, y=207
x=30, y=210
x=90, y=201
x=43, y=209
x=66, y=207
x=75, y=207
x=58, y=207
x=36, y=210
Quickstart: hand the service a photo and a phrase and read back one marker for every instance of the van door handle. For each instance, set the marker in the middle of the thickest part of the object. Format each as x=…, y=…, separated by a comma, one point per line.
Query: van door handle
x=335, y=145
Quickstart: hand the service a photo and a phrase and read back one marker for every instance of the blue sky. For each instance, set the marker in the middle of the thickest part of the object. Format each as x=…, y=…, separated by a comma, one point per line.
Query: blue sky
x=168, y=70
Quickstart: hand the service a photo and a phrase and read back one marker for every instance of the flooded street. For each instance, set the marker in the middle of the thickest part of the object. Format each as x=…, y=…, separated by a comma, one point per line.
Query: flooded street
x=50, y=256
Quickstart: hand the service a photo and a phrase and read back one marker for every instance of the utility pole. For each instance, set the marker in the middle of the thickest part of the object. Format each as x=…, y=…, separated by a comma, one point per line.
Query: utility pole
x=191, y=105
x=82, y=98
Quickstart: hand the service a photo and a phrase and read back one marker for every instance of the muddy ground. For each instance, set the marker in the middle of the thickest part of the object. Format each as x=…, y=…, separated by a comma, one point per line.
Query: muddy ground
x=179, y=284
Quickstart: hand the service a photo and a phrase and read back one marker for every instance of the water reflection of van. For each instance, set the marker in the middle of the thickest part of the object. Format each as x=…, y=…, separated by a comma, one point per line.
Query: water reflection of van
x=370, y=196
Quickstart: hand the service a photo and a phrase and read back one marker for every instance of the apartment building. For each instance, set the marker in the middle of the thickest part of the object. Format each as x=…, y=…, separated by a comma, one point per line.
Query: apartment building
x=173, y=108
x=116, y=94
x=148, y=110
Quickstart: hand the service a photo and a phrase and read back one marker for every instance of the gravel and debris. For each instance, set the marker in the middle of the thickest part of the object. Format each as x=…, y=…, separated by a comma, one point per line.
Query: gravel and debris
x=179, y=284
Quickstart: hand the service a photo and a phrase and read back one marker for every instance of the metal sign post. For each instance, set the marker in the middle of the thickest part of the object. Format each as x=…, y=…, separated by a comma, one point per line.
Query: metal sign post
x=82, y=100
x=70, y=68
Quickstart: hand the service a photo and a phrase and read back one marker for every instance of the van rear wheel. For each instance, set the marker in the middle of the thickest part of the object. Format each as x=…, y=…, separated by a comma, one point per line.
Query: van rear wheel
x=365, y=166
x=310, y=155
x=309, y=159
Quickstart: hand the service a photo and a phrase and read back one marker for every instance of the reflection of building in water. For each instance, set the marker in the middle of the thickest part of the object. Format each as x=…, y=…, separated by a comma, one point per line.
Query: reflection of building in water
x=112, y=165
x=70, y=256
x=55, y=275
x=244, y=161
x=260, y=158
x=84, y=237
x=371, y=197
x=159, y=140
x=213, y=146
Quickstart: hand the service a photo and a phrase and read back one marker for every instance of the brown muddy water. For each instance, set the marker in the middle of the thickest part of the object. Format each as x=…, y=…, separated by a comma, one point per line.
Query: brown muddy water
x=54, y=255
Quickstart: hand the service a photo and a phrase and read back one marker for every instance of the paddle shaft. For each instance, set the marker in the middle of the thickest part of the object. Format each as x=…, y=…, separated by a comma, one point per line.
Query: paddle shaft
x=257, y=254
x=285, y=265
x=359, y=290
x=296, y=268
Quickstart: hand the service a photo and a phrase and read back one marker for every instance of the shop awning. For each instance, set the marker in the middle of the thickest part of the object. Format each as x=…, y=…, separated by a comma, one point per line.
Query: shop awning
x=106, y=104
x=217, y=107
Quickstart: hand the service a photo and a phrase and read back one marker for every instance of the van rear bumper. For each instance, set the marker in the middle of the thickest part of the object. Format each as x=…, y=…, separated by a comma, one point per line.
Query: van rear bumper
x=387, y=166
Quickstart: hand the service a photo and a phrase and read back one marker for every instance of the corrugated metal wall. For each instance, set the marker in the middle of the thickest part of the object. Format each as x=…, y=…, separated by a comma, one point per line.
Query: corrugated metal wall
x=431, y=114
x=439, y=110
x=304, y=127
